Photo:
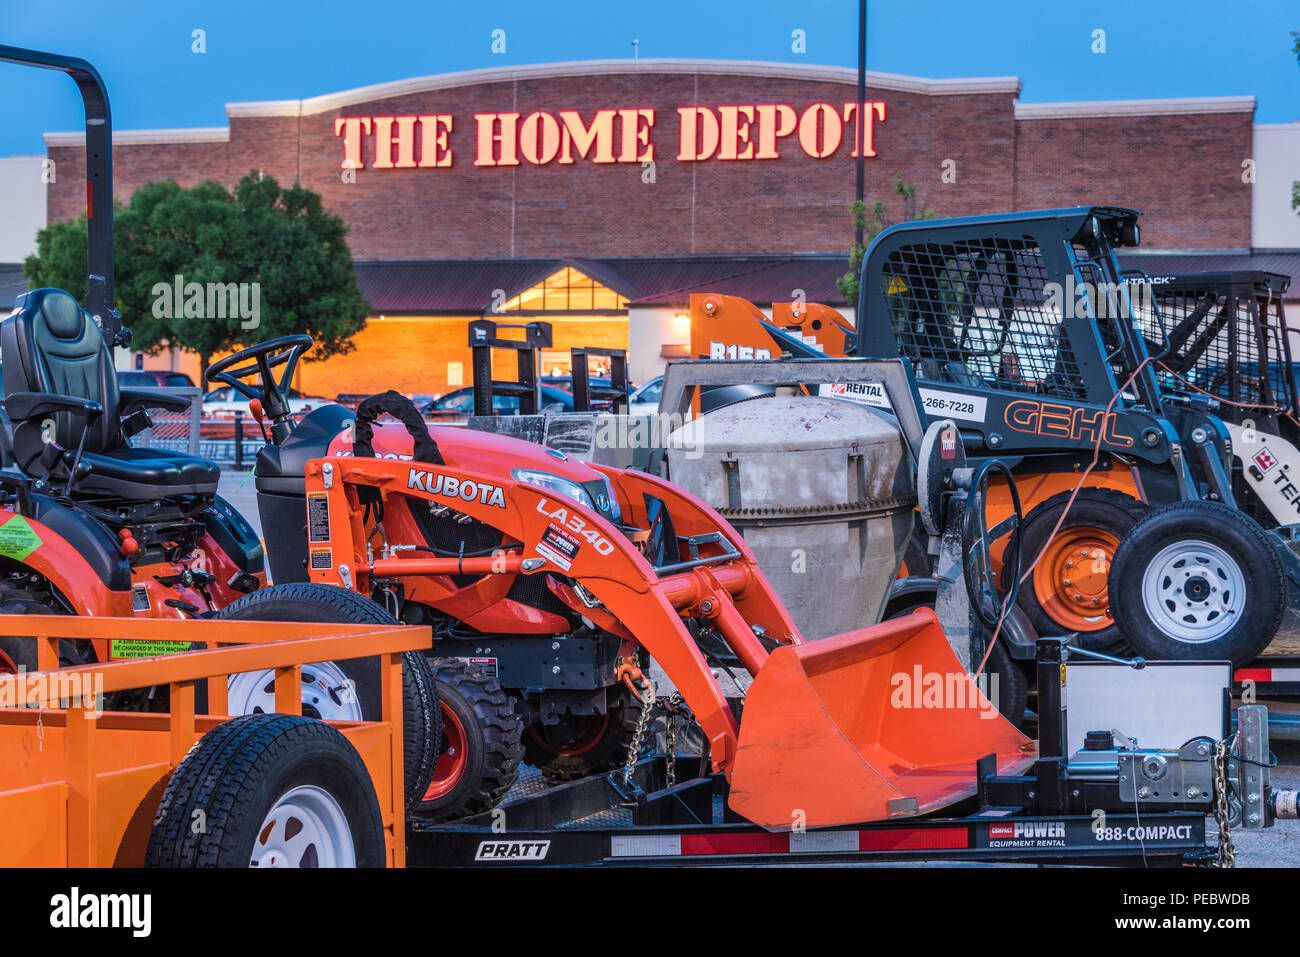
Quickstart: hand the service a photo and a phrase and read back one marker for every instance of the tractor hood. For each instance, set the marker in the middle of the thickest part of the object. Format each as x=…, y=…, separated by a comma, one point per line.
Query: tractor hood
x=327, y=430
x=475, y=451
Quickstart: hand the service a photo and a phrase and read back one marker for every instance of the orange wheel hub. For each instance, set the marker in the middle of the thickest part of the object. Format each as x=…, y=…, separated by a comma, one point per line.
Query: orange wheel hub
x=1070, y=578
x=453, y=760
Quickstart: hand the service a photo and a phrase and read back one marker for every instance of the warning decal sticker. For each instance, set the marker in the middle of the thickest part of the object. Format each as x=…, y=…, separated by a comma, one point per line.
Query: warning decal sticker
x=18, y=539
x=318, y=517
x=139, y=598
x=144, y=648
x=558, y=546
x=322, y=558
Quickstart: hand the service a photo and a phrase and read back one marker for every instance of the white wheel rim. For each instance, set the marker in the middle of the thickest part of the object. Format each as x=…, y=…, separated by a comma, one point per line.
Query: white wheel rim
x=326, y=693
x=1194, y=592
x=305, y=828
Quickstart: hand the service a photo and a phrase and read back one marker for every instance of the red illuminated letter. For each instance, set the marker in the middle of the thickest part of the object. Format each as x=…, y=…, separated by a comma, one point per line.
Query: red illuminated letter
x=433, y=140
x=601, y=133
x=873, y=110
x=496, y=128
x=385, y=140
x=539, y=138
x=352, y=127
x=697, y=147
x=734, y=134
x=775, y=120
x=830, y=127
x=636, y=134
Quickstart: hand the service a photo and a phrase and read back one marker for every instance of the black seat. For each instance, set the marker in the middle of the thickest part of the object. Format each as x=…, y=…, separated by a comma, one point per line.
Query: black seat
x=56, y=361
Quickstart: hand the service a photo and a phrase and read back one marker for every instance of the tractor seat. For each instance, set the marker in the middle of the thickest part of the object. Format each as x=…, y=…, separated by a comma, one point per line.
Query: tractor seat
x=51, y=345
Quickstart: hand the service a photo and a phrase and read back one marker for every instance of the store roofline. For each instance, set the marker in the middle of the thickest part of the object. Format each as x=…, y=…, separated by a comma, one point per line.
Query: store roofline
x=1159, y=107
x=441, y=81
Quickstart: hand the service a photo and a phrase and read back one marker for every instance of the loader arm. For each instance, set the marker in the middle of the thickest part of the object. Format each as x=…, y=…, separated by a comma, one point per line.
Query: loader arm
x=821, y=733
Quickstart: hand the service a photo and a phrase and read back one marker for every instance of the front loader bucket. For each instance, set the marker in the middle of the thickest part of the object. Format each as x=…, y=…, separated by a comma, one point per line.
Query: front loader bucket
x=864, y=726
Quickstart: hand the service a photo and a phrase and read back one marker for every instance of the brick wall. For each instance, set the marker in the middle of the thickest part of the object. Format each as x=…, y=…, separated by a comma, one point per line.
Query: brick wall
x=1183, y=171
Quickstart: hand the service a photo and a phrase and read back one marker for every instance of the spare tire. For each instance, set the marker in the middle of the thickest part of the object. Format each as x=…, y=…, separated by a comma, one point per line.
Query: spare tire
x=269, y=790
x=1198, y=580
x=342, y=690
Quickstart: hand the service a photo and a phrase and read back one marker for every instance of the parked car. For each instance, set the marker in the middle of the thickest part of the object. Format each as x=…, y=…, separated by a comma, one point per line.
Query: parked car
x=153, y=379
x=645, y=400
x=459, y=404
x=226, y=401
x=565, y=382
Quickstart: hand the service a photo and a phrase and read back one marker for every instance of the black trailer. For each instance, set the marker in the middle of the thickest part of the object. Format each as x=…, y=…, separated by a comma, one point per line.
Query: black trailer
x=1110, y=803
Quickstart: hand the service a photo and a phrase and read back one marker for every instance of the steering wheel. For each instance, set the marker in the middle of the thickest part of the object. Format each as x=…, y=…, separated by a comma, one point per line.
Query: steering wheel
x=977, y=541
x=284, y=351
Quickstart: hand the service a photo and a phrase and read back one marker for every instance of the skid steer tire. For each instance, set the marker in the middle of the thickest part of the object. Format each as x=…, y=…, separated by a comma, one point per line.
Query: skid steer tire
x=269, y=790
x=314, y=602
x=1198, y=580
x=917, y=561
x=1055, y=600
x=478, y=759
x=599, y=743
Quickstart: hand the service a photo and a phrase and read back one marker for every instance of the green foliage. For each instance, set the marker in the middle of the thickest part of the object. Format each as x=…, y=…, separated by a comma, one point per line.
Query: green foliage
x=281, y=239
x=872, y=227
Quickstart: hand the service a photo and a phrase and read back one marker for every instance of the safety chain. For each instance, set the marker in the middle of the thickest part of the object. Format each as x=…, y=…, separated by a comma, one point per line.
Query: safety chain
x=642, y=723
x=1225, y=854
x=674, y=710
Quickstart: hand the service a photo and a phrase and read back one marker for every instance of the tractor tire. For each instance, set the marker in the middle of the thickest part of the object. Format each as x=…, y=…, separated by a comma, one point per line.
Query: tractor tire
x=26, y=597
x=254, y=693
x=478, y=759
x=1198, y=580
x=1067, y=590
x=269, y=790
x=1011, y=696
x=578, y=747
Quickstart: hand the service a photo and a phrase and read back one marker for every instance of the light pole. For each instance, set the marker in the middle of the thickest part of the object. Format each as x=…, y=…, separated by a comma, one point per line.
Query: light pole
x=862, y=120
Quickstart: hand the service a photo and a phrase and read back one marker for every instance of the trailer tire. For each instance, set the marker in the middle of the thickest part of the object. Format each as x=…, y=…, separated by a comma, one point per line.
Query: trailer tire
x=315, y=602
x=269, y=790
x=601, y=745
x=1096, y=523
x=1199, y=580
x=479, y=756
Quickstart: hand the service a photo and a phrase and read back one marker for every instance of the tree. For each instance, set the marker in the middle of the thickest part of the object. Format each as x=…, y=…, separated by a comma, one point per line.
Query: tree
x=874, y=226
x=211, y=271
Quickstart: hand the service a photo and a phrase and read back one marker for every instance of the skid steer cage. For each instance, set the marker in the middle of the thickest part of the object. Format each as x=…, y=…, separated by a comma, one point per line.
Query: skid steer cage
x=1224, y=334
x=824, y=728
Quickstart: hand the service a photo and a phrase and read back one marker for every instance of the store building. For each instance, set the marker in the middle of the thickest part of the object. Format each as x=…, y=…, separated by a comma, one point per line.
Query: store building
x=599, y=195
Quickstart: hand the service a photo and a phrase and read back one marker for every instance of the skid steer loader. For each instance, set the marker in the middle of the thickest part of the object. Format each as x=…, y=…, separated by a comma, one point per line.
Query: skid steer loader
x=1023, y=329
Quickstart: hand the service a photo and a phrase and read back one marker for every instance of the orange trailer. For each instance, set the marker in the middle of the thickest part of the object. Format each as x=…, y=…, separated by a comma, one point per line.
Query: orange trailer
x=84, y=787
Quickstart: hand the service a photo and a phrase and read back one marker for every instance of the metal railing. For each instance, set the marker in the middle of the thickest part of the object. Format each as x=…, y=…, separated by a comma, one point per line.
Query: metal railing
x=173, y=431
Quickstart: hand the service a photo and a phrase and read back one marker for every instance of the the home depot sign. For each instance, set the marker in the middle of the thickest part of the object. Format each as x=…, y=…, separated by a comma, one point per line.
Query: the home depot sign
x=759, y=131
